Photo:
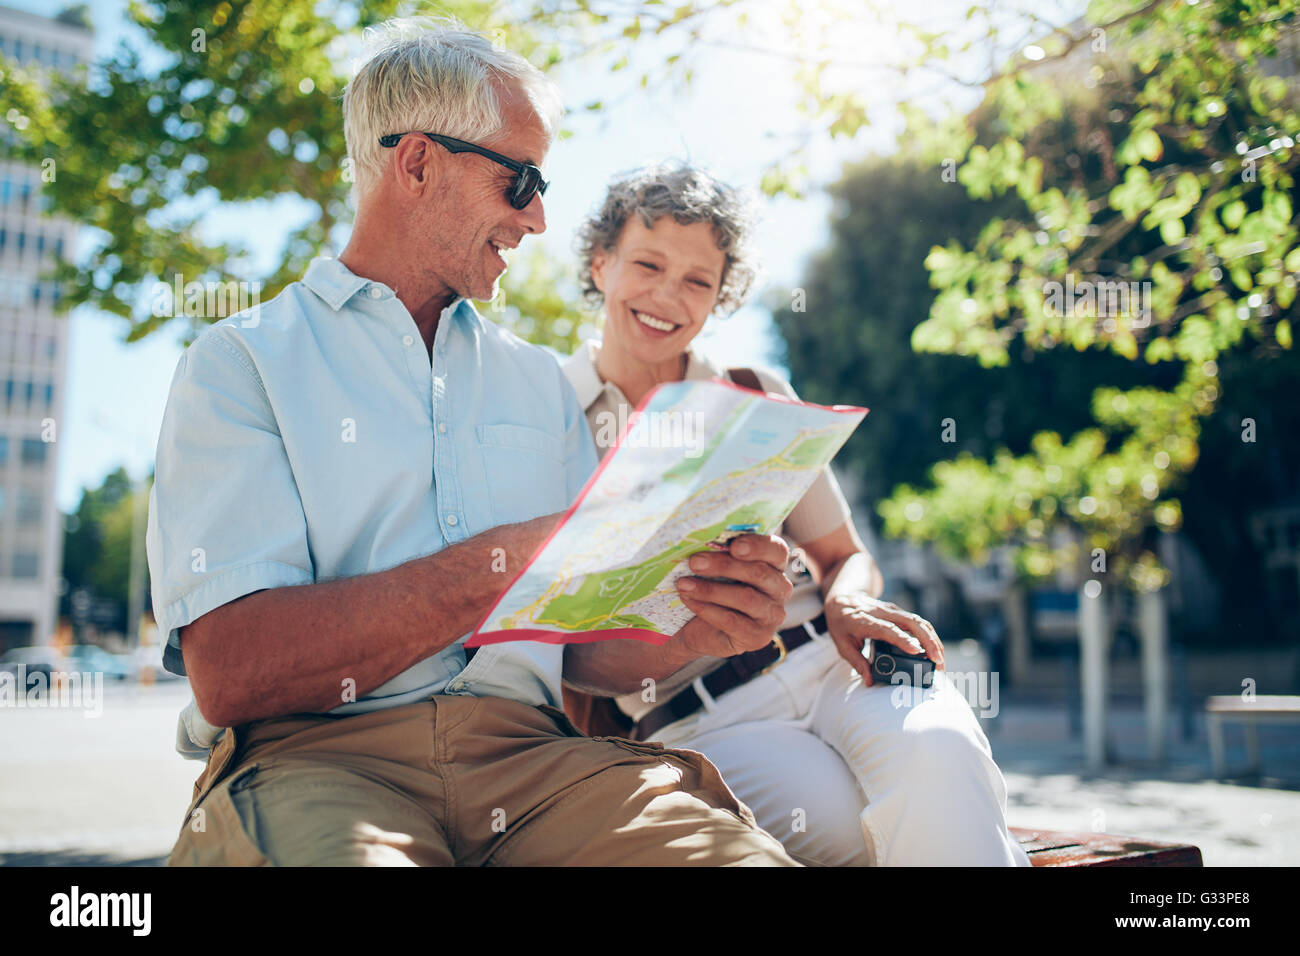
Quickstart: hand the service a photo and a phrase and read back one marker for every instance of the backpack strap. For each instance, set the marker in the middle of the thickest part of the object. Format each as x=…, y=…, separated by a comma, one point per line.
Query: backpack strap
x=745, y=378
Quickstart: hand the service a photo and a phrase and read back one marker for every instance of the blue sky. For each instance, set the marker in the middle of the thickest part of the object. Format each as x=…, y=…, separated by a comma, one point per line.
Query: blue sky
x=738, y=115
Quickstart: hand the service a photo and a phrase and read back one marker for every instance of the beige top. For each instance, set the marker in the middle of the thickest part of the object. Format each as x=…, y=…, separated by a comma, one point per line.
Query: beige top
x=821, y=510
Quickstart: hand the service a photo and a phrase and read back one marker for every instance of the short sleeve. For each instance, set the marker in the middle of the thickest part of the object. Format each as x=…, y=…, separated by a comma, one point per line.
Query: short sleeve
x=822, y=509
x=225, y=517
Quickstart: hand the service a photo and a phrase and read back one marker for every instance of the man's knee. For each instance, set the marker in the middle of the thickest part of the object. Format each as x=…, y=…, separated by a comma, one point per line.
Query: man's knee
x=301, y=813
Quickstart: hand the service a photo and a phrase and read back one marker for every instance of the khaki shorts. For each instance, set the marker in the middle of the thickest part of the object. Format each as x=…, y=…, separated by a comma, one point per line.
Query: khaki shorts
x=456, y=780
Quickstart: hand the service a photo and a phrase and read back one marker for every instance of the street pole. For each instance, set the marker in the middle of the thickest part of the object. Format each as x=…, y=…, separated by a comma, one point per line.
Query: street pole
x=1153, y=624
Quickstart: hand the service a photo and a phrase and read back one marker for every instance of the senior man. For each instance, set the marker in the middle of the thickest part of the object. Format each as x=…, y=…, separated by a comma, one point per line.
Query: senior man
x=346, y=479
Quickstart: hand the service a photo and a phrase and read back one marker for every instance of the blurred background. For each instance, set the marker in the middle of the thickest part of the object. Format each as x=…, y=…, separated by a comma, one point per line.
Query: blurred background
x=1053, y=247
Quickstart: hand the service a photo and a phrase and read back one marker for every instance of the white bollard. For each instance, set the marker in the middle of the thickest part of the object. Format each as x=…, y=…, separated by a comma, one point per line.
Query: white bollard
x=1094, y=649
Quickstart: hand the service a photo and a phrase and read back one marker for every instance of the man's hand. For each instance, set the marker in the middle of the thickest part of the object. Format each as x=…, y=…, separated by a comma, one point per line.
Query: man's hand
x=742, y=613
x=854, y=617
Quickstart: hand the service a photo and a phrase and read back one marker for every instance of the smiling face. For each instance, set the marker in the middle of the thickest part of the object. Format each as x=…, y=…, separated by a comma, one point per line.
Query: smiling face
x=659, y=285
x=468, y=219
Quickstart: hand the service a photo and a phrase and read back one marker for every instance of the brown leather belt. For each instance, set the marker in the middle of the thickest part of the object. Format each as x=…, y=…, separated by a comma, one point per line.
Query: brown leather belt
x=731, y=674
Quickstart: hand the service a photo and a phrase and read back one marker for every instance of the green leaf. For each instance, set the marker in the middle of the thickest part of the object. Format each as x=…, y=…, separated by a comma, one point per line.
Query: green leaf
x=1233, y=213
x=1148, y=145
x=1283, y=333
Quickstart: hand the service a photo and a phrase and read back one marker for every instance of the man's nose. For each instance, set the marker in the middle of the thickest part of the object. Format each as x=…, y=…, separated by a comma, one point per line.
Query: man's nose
x=533, y=216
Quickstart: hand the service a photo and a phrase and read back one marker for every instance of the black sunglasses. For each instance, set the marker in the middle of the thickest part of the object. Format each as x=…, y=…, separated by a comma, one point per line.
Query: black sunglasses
x=528, y=178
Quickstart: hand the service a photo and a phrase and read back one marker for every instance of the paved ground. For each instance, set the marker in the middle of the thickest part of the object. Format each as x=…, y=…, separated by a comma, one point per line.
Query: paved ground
x=111, y=790
x=1244, y=821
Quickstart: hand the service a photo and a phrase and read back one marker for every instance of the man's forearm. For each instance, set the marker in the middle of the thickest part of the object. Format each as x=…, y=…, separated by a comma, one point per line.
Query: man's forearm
x=300, y=649
x=611, y=668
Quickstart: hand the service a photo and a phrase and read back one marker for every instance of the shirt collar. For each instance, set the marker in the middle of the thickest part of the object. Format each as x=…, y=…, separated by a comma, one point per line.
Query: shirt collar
x=335, y=284
x=581, y=366
x=587, y=382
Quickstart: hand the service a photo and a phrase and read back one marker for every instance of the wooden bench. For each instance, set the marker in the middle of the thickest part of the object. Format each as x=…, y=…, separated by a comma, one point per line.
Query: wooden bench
x=1251, y=711
x=1053, y=848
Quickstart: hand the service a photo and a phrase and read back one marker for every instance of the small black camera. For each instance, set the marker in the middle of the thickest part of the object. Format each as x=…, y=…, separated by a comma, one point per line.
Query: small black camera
x=892, y=665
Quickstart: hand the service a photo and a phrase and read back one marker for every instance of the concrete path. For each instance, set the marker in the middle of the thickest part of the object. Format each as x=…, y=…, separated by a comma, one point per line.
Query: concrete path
x=110, y=790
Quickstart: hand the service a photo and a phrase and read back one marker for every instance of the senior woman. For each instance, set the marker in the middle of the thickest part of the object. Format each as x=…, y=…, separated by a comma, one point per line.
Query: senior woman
x=842, y=772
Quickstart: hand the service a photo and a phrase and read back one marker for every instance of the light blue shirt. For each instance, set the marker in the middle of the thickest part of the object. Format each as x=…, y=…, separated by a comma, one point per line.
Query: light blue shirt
x=311, y=438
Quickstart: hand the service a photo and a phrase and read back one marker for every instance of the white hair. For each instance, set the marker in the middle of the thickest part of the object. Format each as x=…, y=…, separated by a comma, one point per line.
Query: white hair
x=434, y=76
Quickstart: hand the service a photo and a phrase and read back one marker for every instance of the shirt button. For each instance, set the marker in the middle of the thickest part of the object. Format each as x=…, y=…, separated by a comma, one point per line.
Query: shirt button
x=408, y=340
x=442, y=428
x=376, y=292
x=451, y=520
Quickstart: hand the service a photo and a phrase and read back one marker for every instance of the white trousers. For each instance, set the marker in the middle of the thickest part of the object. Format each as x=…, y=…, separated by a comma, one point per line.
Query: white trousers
x=844, y=774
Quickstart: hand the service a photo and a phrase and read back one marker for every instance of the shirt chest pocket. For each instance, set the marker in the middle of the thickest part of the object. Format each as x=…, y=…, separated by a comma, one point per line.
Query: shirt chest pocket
x=525, y=471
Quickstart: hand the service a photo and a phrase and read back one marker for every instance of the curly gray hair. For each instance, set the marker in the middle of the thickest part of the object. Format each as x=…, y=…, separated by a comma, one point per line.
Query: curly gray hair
x=689, y=195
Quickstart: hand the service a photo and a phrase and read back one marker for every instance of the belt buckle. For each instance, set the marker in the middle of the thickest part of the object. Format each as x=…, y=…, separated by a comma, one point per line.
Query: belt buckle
x=782, y=653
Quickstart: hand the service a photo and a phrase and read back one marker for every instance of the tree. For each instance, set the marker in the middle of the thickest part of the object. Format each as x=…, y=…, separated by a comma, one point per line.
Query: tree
x=861, y=298
x=97, y=541
x=1194, y=203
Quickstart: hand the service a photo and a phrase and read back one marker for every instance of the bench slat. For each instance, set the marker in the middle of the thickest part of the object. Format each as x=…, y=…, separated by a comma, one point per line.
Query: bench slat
x=1055, y=848
x=1268, y=704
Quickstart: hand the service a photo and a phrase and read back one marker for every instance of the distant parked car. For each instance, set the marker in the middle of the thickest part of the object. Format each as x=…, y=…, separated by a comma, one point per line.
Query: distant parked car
x=91, y=657
x=38, y=660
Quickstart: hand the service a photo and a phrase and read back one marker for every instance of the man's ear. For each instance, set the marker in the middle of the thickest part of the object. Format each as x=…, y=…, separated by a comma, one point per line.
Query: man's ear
x=417, y=164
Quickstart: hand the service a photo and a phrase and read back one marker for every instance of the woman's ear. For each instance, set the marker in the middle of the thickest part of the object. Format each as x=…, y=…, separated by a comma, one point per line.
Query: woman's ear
x=598, y=260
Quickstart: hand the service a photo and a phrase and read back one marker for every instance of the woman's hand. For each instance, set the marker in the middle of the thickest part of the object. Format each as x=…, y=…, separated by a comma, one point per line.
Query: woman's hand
x=854, y=617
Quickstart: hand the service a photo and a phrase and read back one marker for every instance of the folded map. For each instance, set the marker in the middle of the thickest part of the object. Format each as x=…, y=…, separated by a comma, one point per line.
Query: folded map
x=698, y=462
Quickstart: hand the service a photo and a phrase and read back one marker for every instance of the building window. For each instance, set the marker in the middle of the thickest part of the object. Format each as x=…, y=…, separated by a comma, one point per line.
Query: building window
x=4, y=449
x=29, y=507
x=49, y=396
x=25, y=564
x=33, y=451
